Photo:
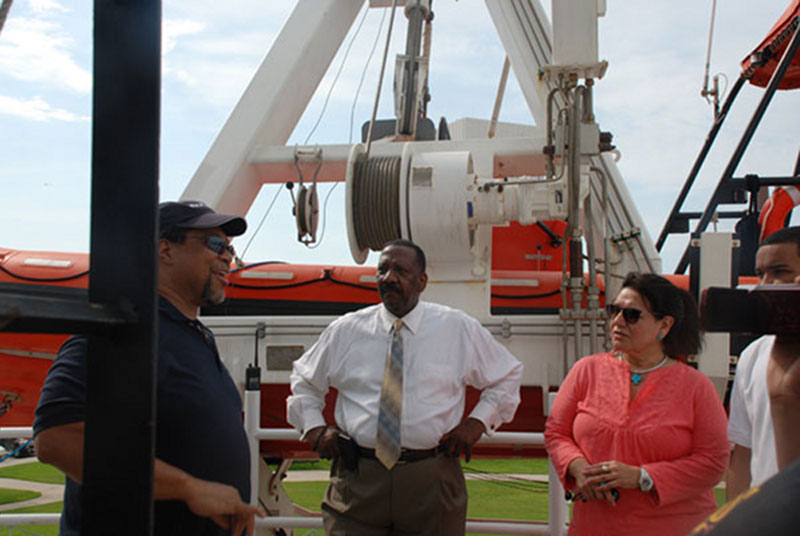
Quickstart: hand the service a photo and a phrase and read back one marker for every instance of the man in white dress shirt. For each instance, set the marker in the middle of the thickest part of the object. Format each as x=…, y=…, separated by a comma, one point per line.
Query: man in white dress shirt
x=442, y=351
x=750, y=427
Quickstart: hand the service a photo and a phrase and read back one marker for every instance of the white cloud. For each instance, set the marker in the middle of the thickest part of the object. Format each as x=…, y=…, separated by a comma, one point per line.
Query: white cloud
x=174, y=29
x=37, y=50
x=44, y=7
x=36, y=109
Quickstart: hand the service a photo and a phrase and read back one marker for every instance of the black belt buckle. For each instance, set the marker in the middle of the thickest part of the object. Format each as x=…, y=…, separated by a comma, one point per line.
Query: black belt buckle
x=348, y=452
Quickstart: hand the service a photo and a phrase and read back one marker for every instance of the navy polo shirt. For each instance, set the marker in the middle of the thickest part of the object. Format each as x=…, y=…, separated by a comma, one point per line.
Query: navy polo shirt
x=199, y=417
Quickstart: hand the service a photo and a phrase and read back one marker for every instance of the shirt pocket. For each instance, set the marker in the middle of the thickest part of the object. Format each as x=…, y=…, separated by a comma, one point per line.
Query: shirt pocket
x=438, y=384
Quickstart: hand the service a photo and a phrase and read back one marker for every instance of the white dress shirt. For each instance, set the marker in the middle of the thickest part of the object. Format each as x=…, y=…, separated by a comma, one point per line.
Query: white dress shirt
x=444, y=350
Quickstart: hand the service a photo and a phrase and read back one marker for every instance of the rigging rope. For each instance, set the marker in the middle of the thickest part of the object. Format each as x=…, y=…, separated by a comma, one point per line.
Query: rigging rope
x=336, y=78
x=324, y=217
x=364, y=73
x=380, y=79
x=264, y=217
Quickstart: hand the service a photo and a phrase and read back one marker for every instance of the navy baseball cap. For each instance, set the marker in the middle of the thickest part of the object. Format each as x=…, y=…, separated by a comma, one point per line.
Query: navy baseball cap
x=198, y=215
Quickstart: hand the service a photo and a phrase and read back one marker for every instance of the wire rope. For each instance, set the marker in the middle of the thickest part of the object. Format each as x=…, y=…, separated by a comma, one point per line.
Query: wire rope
x=380, y=79
x=324, y=217
x=364, y=73
x=263, y=218
x=336, y=78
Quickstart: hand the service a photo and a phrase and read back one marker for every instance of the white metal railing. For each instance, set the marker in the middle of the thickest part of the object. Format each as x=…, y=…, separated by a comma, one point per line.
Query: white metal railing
x=252, y=416
x=16, y=520
x=11, y=432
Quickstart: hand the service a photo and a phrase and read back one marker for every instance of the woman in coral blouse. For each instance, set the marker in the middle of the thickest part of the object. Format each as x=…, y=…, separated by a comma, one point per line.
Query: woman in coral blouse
x=637, y=436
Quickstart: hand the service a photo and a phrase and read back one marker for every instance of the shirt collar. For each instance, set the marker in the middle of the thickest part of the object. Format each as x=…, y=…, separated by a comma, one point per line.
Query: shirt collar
x=165, y=306
x=411, y=321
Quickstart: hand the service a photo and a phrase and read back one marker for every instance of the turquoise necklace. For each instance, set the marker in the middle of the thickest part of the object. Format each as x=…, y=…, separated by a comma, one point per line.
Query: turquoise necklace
x=636, y=375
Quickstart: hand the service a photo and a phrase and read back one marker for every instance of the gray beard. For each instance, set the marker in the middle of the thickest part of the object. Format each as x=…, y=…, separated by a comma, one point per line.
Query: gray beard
x=208, y=296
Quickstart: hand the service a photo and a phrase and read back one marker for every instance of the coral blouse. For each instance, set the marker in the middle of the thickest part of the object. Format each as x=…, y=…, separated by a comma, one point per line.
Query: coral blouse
x=675, y=427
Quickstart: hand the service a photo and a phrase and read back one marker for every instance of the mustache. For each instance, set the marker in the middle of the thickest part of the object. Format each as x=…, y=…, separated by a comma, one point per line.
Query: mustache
x=386, y=287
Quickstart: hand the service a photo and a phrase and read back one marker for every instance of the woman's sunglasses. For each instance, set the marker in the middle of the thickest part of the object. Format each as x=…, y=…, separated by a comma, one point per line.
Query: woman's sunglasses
x=217, y=244
x=630, y=314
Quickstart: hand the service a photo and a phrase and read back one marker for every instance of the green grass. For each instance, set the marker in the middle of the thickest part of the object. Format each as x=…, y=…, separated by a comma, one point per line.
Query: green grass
x=529, y=466
x=535, y=466
x=34, y=472
x=308, y=465
x=8, y=496
x=48, y=530
x=493, y=500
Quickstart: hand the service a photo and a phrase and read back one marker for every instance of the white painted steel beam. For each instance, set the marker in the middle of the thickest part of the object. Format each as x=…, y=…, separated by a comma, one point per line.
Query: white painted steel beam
x=526, y=35
x=273, y=102
x=275, y=164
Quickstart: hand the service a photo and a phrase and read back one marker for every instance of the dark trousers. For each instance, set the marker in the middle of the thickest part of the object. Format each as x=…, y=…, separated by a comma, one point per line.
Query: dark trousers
x=422, y=498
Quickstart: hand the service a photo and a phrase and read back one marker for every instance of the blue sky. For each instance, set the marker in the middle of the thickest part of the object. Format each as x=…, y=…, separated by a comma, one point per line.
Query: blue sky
x=649, y=98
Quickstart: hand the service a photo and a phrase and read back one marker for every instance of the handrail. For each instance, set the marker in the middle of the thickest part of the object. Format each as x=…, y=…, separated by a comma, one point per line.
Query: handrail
x=557, y=506
x=555, y=527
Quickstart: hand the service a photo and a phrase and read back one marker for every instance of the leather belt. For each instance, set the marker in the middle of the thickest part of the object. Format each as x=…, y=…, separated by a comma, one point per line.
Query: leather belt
x=406, y=455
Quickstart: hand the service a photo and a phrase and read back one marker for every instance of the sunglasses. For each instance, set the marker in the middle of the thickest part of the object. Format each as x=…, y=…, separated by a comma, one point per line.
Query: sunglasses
x=217, y=244
x=630, y=314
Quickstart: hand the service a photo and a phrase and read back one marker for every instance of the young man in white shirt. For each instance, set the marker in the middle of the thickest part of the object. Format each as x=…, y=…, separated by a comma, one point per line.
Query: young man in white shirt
x=750, y=428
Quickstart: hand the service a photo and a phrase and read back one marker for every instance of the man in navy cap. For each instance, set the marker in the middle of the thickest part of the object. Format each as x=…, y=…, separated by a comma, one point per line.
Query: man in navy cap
x=202, y=470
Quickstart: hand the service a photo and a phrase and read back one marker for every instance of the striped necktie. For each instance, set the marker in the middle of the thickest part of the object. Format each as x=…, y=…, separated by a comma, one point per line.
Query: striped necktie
x=388, y=444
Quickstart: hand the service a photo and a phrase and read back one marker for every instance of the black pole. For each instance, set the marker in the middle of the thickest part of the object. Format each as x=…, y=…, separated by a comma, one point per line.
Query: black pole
x=699, y=161
x=119, y=440
x=797, y=164
x=772, y=86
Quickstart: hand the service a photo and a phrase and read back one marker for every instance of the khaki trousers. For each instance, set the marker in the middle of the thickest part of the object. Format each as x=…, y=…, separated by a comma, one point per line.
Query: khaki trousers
x=423, y=498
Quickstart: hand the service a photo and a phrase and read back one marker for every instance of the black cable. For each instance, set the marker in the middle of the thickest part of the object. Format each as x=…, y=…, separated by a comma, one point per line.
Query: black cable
x=44, y=279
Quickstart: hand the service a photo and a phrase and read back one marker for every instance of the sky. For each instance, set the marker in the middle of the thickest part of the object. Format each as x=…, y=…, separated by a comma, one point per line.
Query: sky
x=649, y=99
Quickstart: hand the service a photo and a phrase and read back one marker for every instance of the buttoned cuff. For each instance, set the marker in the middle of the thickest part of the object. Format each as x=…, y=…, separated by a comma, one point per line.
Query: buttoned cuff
x=485, y=413
x=310, y=420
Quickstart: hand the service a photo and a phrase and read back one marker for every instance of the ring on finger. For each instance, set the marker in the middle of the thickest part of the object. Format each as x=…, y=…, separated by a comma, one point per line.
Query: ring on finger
x=605, y=468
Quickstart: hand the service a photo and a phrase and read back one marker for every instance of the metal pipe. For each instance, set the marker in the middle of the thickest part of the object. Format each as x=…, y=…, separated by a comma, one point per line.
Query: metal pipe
x=606, y=251
x=13, y=432
x=15, y=520
x=564, y=308
x=550, y=166
x=557, y=506
x=576, y=246
x=407, y=123
x=592, y=306
x=498, y=100
x=535, y=439
x=490, y=527
x=286, y=522
x=252, y=421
